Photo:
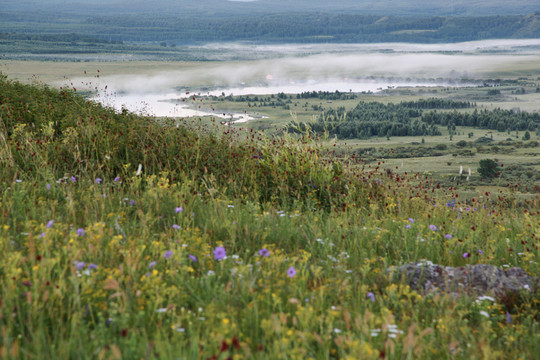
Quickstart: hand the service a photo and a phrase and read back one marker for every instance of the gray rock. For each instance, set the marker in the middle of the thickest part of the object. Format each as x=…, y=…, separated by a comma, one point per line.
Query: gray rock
x=474, y=280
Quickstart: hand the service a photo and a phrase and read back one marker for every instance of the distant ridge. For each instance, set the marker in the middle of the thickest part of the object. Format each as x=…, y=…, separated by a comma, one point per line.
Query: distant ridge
x=223, y=7
x=312, y=27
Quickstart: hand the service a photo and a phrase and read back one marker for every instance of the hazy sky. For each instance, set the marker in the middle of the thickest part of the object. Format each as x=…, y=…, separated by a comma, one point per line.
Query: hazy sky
x=387, y=7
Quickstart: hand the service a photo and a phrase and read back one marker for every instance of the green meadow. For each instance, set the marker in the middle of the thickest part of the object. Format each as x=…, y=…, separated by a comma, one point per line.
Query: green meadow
x=439, y=156
x=125, y=237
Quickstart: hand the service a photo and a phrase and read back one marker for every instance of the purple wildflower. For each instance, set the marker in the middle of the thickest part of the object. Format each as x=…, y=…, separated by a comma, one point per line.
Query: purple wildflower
x=432, y=227
x=264, y=252
x=117, y=179
x=411, y=220
x=448, y=236
x=192, y=257
x=151, y=265
x=73, y=179
x=92, y=266
x=132, y=202
x=50, y=223
x=466, y=255
x=291, y=272
x=408, y=226
x=48, y=186
x=168, y=254
x=178, y=209
x=176, y=227
x=508, y=317
x=80, y=232
x=79, y=265
x=220, y=253
x=371, y=296
x=480, y=252
x=98, y=181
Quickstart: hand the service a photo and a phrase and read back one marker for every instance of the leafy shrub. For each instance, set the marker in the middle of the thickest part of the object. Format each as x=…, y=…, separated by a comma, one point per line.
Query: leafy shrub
x=441, y=147
x=488, y=168
x=483, y=140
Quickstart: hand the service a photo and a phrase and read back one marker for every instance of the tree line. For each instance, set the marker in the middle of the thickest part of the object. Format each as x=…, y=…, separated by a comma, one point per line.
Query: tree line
x=304, y=27
x=71, y=37
x=369, y=119
x=326, y=95
x=437, y=103
x=497, y=119
x=316, y=27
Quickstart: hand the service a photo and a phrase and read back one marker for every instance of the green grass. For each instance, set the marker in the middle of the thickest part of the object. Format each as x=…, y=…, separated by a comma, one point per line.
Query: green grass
x=410, y=154
x=71, y=194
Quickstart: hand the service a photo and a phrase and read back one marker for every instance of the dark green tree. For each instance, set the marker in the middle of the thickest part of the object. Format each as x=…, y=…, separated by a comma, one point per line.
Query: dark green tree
x=488, y=168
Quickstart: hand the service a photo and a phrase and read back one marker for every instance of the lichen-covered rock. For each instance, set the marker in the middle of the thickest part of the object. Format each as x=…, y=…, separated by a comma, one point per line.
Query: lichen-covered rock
x=481, y=279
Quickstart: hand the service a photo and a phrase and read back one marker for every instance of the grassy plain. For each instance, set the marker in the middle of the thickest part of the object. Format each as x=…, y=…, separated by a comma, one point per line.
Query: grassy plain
x=53, y=72
x=400, y=154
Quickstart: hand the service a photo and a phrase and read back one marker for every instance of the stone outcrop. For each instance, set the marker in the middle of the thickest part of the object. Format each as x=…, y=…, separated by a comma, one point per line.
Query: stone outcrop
x=474, y=280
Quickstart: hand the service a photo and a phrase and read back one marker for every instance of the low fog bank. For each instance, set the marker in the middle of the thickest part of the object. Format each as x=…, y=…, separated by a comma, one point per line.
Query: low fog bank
x=232, y=51
x=396, y=69
x=299, y=68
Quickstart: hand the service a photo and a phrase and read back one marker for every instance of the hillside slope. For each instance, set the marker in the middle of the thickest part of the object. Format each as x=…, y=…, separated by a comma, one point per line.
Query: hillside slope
x=227, y=244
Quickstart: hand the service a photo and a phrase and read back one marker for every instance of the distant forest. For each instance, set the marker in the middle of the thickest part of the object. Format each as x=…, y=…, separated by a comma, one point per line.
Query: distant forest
x=275, y=27
x=369, y=119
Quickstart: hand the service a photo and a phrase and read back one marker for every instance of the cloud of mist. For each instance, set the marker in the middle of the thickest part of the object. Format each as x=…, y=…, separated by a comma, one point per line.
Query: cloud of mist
x=289, y=65
x=319, y=68
x=509, y=45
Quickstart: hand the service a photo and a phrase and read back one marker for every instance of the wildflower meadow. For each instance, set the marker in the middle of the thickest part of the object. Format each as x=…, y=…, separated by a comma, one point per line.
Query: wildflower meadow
x=124, y=237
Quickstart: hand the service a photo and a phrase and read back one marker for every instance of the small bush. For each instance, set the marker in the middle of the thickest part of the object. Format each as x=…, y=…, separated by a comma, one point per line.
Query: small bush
x=441, y=147
x=488, y=168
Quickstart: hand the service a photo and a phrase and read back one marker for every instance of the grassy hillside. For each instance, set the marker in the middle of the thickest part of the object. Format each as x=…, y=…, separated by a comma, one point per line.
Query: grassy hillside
x=127, y=238
x=36, y=31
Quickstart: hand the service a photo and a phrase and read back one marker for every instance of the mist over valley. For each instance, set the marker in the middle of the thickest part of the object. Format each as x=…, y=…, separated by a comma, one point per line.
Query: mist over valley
x=292, y=68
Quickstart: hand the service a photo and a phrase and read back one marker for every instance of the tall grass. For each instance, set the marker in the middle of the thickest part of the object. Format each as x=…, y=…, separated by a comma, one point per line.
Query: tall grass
x=232, y=244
